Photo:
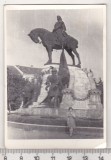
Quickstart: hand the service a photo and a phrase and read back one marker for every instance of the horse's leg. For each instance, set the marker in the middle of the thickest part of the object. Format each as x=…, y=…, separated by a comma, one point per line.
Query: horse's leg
x=49, y=50
x=77, y=54
x=71, y=54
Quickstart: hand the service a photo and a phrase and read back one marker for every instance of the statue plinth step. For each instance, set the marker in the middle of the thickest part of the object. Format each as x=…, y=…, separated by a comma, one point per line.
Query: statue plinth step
x=62, y=113
x=52, y=121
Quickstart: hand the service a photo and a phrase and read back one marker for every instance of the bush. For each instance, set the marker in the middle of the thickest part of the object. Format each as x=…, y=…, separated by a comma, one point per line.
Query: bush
x=15, y=87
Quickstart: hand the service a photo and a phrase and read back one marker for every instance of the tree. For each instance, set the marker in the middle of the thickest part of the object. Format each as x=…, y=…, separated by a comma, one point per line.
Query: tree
x=21, y=91
x=15, y=87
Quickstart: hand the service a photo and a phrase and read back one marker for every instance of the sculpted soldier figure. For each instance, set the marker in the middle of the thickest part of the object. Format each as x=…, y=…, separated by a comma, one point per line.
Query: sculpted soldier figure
x=54, y=88
x=59, y=29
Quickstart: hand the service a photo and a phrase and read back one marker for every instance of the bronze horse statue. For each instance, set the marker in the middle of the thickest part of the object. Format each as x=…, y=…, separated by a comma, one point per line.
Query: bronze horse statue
x=50, y=41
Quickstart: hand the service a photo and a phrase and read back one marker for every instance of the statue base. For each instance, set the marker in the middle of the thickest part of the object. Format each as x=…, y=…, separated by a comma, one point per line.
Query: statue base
x=77, y=96
x=90, y=113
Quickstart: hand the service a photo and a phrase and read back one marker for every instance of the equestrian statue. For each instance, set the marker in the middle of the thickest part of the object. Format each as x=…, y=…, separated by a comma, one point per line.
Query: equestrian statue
x=57, y=39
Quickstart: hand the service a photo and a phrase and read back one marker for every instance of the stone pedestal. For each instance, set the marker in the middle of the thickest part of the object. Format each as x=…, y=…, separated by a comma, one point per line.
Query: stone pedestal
x=79, y=84
x=94, y=97
x=81, y=95
x=91, y=79
x=69, y=100
x=60, y=113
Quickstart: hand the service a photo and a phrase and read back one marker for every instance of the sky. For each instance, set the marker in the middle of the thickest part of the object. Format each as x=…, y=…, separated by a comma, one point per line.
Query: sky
x=86, y=25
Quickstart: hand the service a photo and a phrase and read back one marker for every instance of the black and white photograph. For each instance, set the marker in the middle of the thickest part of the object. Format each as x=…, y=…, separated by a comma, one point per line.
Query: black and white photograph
x=55, y=76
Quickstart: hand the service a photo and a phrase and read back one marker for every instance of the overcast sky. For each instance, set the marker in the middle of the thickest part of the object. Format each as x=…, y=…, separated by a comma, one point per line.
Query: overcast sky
x=86, y=25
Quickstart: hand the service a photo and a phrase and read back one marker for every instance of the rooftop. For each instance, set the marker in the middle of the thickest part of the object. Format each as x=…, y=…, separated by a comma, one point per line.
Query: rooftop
x=29, y=70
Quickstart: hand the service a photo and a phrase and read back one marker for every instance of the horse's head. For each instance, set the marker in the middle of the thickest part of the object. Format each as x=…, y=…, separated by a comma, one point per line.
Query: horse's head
x=33, y=36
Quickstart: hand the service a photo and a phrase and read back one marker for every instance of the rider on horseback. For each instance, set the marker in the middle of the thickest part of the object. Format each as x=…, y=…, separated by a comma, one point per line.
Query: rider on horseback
x=58, y=39
x=59, y=29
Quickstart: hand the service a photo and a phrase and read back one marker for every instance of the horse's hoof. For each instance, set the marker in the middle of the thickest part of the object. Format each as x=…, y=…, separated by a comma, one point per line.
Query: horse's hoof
x=47, y=63
x=78, y=65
